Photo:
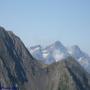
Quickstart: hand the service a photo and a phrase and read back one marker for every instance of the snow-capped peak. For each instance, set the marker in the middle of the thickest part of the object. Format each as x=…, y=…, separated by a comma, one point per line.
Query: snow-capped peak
x=57, y=51
x=36, y=52
x=35, y=47
x=56, y=45
x=82, y=57
x=52, y=53
x=75, y=48
x=76, y=52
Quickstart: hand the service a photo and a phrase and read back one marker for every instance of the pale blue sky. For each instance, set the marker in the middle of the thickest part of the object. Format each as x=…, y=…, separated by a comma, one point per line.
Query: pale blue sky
x=46, y=21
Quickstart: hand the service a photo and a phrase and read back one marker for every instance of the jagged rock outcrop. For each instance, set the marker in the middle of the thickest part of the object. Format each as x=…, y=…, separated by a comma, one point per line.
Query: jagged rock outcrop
x=15, y=60
x=19, y=69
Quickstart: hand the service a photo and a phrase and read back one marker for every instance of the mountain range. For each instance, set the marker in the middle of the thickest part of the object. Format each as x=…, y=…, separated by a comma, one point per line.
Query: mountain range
x=57, y=51
x=20, y=70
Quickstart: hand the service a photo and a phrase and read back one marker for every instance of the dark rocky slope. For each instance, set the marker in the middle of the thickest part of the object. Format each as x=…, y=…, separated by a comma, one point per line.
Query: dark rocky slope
x=68, y=75
x=19, y=69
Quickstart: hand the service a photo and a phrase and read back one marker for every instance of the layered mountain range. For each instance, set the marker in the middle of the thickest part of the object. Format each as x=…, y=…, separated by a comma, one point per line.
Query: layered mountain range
x=57, y=51
x=19, y=69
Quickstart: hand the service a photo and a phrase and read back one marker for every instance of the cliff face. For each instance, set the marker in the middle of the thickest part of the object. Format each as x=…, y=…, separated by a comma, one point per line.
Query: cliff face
x=15, y=60
x=12, y=67
x=19, y=69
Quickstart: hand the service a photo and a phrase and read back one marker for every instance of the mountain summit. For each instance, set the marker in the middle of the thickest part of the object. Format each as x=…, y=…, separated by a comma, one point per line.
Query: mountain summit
x=82, y=57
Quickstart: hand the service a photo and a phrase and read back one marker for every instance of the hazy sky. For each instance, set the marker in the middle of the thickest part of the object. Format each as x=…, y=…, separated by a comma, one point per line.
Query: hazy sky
x=46, y=21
